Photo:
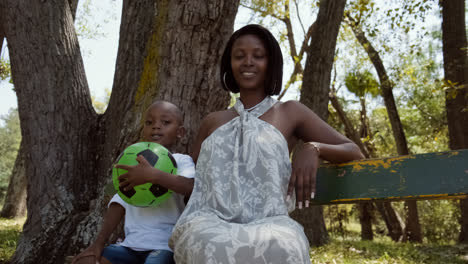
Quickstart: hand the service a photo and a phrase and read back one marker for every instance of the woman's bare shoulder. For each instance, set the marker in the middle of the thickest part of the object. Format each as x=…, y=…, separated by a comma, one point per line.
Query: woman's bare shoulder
x=293, y=110
x=216, y=119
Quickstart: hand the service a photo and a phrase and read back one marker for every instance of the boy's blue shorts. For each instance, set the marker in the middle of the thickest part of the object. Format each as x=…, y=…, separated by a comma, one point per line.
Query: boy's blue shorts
x=118, y=254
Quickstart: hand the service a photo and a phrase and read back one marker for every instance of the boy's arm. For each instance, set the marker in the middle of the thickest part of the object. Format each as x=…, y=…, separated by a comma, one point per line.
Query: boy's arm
x=112, y=218
x=144, y=173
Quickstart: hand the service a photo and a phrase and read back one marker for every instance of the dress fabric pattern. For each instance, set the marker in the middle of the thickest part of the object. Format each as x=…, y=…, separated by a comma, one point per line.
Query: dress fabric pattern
x=237, y=212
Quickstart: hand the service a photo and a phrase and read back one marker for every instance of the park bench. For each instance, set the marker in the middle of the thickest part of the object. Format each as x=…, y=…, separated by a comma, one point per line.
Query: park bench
x=440, y=175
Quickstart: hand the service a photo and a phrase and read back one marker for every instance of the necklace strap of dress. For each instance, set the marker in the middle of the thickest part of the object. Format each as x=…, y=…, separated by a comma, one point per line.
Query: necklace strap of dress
x=257, y=110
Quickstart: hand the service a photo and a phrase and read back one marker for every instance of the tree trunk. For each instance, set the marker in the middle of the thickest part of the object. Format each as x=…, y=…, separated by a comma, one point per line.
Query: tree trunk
x=167, y=50
x=15, y=201
x=364, y=208
x=412, y=225
x=391, y=219
x=365, y=218
x=456, y=72
x=351, y=133
x=314, y=94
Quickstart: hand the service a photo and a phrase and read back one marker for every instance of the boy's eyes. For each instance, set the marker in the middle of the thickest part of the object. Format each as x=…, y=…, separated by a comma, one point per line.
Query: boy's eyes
x=164, y=122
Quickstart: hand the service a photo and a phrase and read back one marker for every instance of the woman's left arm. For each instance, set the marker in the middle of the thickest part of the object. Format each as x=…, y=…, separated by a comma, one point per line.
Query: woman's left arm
x=321, y=141
x=333, y=146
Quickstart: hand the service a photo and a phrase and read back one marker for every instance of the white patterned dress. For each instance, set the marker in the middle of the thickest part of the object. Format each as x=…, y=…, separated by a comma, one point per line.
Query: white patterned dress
x=237, y=212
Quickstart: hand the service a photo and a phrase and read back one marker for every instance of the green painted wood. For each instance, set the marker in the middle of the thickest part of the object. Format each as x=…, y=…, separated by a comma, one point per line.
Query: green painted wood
x=440, y=175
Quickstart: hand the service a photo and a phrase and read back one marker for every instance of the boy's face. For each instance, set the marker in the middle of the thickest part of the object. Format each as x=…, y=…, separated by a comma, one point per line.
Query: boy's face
x=162, y=125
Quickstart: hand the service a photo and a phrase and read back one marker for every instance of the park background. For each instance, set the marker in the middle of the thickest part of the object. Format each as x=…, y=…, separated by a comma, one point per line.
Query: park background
x=408, y=39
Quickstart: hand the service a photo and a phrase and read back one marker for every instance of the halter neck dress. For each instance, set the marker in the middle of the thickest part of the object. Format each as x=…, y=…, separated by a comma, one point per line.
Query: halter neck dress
x=237, y=212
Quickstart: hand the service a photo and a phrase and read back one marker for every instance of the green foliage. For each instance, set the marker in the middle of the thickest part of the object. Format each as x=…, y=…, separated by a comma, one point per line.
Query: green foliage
x=439, y=219
x=439, y=224
x=101, y=106
x=362, y=83
x=5, y=69
x=10, y=139
x=10, y=230
x=338, y=217
x=234, y=97
x=85, y=23
x=422, y=109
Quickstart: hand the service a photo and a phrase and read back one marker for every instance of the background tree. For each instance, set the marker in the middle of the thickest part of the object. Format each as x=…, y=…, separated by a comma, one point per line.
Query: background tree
x=70, y=148
x=412, y=230
x=280, y=11
x=15, y=200
x=10, y=138
x=456, y=78
x=314, y=94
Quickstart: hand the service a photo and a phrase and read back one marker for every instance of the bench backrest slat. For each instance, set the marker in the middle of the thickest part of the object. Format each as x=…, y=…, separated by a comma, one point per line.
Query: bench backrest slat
x=441, y=175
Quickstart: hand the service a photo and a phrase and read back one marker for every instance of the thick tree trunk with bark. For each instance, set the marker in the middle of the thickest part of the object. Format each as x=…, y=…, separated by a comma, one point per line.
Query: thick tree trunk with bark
x=456, y=72
x=412, y=226
x=15, y=200
x=314, y=94
x=167, y=50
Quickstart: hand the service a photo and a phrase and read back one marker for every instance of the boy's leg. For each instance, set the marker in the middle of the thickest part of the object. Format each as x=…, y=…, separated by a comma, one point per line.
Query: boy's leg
x=119, y=254
x=160, y=257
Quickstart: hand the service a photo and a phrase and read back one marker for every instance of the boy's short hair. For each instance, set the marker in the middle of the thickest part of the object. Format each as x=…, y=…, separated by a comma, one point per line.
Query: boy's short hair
x=174, y=107
x=274, y=75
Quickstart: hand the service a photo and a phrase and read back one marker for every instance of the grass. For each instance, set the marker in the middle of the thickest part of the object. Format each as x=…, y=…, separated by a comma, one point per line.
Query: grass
x=342, y=249
x=347, y=248
x=10, y=230
x=382, y=250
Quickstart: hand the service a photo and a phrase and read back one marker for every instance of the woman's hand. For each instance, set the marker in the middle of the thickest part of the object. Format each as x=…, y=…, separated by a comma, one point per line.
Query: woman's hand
x=304, y=171
x=136, y=175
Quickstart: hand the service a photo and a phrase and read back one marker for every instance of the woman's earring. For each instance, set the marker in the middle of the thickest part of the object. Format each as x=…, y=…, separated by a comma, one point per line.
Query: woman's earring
x=224, y=81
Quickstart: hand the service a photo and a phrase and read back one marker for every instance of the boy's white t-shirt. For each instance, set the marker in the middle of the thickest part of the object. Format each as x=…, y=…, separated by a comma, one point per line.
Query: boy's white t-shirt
x=149, y=228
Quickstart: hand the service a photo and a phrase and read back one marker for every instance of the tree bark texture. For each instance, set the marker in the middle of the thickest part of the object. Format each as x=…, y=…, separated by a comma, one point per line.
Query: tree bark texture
x=314, y=94
x=15, y=200
x=456, y=71
x=167, y=50
x=412, y=226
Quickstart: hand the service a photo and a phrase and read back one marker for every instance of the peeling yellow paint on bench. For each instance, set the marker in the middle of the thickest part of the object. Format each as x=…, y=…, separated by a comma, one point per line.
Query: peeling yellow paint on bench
x=441, y=175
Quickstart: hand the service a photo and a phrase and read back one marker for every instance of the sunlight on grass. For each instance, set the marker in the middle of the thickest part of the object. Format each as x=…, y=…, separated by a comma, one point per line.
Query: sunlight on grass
x=10, y=229
x=347, y=248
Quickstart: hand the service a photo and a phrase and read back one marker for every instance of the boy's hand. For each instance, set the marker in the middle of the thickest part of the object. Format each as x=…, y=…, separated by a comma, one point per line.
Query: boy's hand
x=138, y=174
x=91, y=255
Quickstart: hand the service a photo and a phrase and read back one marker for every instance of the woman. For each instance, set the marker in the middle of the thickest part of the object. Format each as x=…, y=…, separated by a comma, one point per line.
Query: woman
x=238, y=210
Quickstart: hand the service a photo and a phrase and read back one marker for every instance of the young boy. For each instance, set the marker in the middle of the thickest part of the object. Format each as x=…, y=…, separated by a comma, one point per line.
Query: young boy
x=147, y=230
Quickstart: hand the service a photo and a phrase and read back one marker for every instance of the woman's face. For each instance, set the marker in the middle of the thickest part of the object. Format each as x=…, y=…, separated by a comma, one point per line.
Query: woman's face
x=249, y=62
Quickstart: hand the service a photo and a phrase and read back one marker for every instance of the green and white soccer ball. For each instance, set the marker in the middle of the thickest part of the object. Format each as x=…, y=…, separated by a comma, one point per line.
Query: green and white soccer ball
x=147, y=194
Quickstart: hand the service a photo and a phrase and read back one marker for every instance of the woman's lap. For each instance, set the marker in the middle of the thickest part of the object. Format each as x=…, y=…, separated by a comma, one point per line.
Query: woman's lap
x=276, y=240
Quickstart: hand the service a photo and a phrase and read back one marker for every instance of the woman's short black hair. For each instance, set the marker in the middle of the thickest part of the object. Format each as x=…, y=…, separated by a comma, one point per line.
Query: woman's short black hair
x=274, y=74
